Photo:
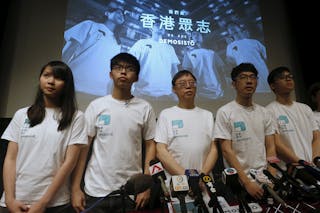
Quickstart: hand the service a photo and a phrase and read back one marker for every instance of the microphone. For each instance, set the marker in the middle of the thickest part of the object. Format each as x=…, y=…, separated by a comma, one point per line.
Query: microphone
x=316, y=161
x=304, y=191
x=283, y=189
x=180, y=188
x=193, y=181
x=210, y=185
x=276, y=182
x=230, y=178
x=299, y=172
x=267, y=188
x=136, y=184
x=311, y=169
x=157, y=171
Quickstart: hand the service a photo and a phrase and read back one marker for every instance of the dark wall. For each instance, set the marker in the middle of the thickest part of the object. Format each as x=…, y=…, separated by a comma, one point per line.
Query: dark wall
x=303, y=19
x=3, y=148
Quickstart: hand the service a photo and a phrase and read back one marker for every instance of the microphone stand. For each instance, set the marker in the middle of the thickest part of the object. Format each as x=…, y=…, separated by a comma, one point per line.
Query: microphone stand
x=123, y=194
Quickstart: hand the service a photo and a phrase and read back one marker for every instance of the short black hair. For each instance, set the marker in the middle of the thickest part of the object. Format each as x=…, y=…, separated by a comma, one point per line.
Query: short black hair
x=312, y=92
x=181, y=73
x=126, y=58
x=243, y=67
x=276, y=72
x=314, y=88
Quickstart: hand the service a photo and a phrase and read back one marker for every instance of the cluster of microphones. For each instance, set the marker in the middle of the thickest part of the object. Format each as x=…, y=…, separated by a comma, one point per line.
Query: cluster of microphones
x=298, y=182
x=183, y=185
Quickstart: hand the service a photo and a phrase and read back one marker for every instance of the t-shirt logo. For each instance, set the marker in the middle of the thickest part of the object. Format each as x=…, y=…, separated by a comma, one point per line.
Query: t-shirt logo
x=283, y=123
x=282, y=120
x=177, y=124
x=104, y=119
x=26, y=121
x=239, y=126
x=25, y=126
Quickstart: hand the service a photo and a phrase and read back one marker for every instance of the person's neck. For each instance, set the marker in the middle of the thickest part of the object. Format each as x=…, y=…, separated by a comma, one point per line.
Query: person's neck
x=186, y=104
x=247, y=102
x=284, y=99
x=122, y=94
x=50, y=103
x=156, y=37
x=110, y=25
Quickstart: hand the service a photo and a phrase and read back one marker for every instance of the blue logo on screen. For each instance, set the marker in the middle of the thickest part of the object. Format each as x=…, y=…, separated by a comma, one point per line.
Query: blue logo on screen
x=104, y=119
x=239, y=126
x=177, y=124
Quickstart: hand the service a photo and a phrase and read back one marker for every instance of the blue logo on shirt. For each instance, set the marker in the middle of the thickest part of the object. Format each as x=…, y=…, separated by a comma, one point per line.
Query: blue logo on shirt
x=239, y=126
x=283, y=119
x=27, y=121
x=177, y=124
x=104, y=119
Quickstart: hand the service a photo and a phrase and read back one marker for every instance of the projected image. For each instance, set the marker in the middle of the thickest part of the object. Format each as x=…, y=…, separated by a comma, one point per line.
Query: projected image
x=207, y=37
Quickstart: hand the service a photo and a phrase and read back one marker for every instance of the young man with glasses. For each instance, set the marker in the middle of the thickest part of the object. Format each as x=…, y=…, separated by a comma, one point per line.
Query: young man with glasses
x=184, y=134
x=298, y=134
x=245, y=130
x=117, y=125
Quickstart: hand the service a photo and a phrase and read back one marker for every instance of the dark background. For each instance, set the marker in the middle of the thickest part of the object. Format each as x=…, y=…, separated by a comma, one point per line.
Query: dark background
x=303, y=18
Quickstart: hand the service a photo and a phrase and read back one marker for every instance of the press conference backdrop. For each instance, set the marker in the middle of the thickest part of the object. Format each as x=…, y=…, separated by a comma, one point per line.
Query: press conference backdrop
x=202, y=36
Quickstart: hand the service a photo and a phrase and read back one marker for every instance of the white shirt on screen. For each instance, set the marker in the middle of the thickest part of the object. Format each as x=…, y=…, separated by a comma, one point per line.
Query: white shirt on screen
x=158, y=64
x=90, y=63
x=251, y=51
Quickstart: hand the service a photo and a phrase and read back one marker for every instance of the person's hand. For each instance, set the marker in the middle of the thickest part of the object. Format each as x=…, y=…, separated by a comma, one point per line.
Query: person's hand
x=78, y=201
x=254, y=190
x=142, y=199
x=37, y=207
x=16, y=206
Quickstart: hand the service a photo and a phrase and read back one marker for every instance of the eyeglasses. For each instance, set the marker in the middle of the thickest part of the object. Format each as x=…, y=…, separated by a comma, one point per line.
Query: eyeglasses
x=286, y=77
x=118, y=68
x=185, y=84
x=247, y=77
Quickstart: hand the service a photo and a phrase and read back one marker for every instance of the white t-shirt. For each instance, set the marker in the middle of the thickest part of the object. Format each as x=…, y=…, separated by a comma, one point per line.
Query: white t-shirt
x=119, y=128
x=188, y=134
x=158, y=64
x=91, y=62
x=42, y=150
x=246, y=127
x=317, y=118
x=205, y=65
x=251, y=51
x=295, y=124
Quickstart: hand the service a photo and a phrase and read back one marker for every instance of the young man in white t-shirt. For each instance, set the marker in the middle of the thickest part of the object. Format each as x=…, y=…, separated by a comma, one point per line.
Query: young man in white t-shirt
x=184, y=134
x=297, y=128
x=245, y=130
x=117, y=124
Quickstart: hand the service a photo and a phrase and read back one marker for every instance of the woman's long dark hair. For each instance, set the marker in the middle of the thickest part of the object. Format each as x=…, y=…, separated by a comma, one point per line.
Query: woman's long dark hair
x=67, y=102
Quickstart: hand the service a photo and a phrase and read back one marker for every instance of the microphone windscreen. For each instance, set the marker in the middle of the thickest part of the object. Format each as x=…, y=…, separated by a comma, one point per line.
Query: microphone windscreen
x=316, y=161
x=138, y=183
